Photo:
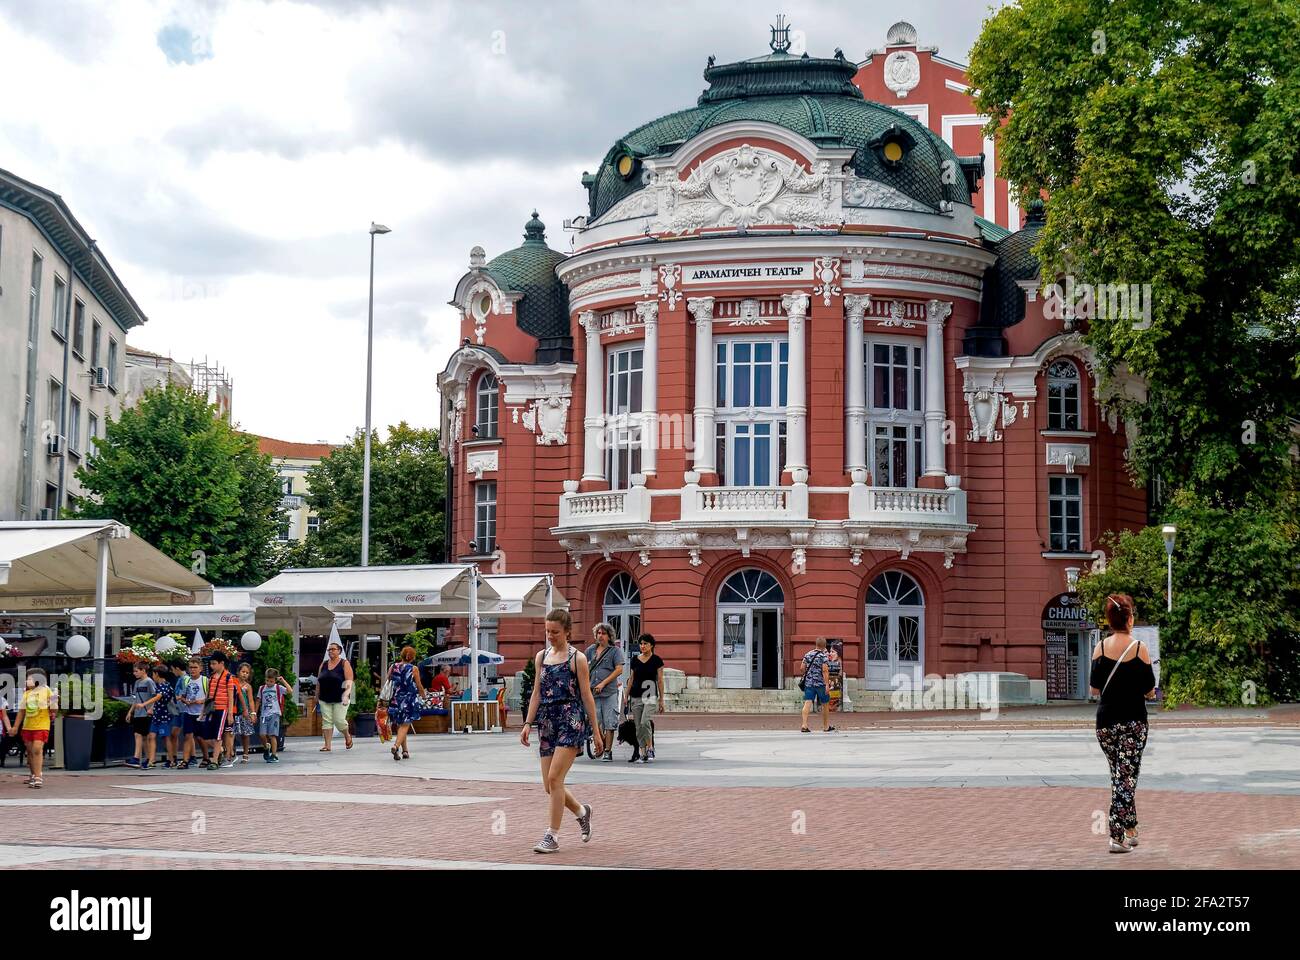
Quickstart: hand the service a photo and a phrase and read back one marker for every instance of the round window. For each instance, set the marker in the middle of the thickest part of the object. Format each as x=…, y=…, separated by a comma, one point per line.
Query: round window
x=483, y=306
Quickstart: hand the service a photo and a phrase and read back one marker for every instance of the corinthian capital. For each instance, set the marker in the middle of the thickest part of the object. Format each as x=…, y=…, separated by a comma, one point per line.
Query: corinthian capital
x=587, y=320
x=937, y=311
x=855, y=307
x=647, y=311
x=701, y=309
x=795, y=305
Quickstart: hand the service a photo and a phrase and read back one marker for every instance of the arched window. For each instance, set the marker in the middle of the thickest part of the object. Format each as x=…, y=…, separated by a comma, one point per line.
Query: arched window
x=895, y=632
x=1063, y=396
x=486, y=419
x=622, y=611
x=751, y=586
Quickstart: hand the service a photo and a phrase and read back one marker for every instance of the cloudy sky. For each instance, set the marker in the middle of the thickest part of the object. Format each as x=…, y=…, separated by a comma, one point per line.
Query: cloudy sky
x=229, y=155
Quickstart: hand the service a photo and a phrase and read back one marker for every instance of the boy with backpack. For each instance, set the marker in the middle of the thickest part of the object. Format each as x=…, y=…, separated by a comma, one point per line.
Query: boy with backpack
x=270, y=701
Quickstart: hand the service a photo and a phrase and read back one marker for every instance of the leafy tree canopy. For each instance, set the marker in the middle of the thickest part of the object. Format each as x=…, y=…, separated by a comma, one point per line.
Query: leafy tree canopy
x=1167, y=136
x=188, y=482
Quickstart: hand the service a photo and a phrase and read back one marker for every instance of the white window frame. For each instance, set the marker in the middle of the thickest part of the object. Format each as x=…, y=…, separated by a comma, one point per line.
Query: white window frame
x=1064, y=489
x=884, y=422
x=487, y=406
x=96, y=341
x=92, y=431
x=112, y=363
x=60, y=314
x=78, y=327
x=34, y=299
x=740, y=426
x=485, y=517
x=313, y=524
x=1058, y=399
x=622, y=417
x=74, y=424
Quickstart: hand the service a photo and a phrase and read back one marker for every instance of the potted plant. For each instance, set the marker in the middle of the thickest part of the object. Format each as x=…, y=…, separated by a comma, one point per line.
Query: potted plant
x=232, y=652
x=362, y=709
x=112, y=738
x=79, y=697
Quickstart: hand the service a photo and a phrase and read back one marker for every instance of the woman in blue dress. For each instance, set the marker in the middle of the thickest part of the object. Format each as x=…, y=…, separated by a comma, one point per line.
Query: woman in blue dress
x=405, y=707
x=560, y=695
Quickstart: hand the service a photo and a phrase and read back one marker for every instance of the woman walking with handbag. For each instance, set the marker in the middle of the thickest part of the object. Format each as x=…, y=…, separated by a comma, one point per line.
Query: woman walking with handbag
x=561, y=693
x=333, y=692
x=404, y=692
x=1124, y=680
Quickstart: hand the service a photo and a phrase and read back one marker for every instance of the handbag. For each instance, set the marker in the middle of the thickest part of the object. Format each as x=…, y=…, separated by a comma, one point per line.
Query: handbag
x=386, y=691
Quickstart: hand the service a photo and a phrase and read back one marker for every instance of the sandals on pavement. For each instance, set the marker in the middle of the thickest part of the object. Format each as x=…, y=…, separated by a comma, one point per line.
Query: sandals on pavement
x=396, y=755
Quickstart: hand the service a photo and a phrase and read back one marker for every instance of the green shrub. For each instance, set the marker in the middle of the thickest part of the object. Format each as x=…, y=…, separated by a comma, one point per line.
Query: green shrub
x=277, y=651
x=363, y=693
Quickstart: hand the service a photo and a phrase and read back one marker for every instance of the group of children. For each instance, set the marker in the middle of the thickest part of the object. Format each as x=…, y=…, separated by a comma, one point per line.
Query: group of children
x=182, y=707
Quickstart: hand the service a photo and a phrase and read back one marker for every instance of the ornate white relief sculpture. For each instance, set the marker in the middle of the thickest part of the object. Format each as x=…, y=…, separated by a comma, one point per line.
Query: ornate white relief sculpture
x=480, y=461
x=987, y=405
x=742, y=187
x=647, y=280
x=617, y=322
x=477, y=258
x=902, y=72
x=896, y=316
x=547, y=418
x=873, y=193
x=750, y=315
x=670, y=278
x=828, y=275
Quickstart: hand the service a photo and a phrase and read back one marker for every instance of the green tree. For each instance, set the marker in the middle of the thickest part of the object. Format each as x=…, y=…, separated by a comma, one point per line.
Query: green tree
x=188, y=482
x=1166, y=137
x=407, y=498
x=277, y=651
x=1234, y=631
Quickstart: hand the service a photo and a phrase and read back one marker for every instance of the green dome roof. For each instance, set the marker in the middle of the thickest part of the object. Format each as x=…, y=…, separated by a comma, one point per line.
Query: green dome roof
x=530, y=269
x=814, y=97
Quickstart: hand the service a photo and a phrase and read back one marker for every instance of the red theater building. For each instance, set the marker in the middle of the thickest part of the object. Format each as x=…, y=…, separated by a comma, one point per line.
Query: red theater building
x=795, y=380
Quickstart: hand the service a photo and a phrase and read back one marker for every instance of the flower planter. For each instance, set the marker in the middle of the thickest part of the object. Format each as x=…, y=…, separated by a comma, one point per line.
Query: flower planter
x=363, y=725
x=112, y=743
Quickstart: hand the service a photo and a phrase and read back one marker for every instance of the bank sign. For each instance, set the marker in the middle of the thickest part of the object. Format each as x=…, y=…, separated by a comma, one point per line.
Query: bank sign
x=748, y=273
x=1066, y=611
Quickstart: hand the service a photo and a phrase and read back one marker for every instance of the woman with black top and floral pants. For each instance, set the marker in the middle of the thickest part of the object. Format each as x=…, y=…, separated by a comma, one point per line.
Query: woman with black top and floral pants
x=1123, y=676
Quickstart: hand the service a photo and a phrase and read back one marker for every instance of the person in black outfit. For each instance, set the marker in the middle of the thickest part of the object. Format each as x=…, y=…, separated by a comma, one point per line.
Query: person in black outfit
x=1123, y=677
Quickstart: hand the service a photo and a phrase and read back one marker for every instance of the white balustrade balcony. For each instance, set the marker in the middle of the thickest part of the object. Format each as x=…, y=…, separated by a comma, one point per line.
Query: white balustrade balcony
x=604, y=509
x=908, y=506
x=747, y=506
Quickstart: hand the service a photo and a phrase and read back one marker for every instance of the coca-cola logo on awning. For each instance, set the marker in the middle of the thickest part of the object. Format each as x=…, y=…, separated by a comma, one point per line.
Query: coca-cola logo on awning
x=416, y=598
x=272, y=600
x=231, y=618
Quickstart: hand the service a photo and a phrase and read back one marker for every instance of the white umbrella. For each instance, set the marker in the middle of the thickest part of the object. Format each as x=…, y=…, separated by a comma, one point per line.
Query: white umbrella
x=460, y=657
x=197, y=645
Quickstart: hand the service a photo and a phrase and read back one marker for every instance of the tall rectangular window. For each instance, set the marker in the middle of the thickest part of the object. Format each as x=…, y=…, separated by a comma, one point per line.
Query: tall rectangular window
x=624, y=376
x=112, y=363
x=34, y=300
x=488, y=407
x=59, y=321
x=1063, y=396
x=55, y=411
x=74, y=425
x=78, y=327
x=92, y=431
x=485, y=517
x=752, y=377
x=1065, y=512
x=895, y=415
x=96, y=335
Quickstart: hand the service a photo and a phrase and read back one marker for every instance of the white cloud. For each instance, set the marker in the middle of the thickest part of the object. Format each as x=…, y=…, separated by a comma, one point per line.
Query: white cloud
x=229, y=155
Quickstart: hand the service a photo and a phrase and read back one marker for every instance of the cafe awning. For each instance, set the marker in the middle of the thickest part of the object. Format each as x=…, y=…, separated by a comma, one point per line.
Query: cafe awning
x=432, y=590
x=53, y=565
x=520, y=595
x=232, y=608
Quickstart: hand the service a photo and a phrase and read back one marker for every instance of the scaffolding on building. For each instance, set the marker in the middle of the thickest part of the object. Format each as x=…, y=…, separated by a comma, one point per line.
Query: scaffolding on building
x=212, y=380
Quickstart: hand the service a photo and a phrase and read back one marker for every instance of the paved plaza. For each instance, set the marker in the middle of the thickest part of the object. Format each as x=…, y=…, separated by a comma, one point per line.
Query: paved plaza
x=882, y=792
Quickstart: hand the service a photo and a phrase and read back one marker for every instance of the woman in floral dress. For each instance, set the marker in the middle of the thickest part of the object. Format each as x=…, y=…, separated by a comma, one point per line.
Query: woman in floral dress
x=405, y=707
x=562, y=692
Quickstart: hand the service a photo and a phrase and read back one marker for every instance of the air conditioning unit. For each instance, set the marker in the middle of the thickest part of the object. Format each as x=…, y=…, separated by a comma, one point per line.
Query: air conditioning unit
x=98, y=378
x=47, y=513
x=54, y=446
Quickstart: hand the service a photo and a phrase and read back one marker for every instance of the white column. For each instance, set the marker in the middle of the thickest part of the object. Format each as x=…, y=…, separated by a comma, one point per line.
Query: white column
x=593, y=420
x=855, y=404
x=795, y=306
x=701, y=309
x=101, y=596
x=936, y=312
x=648, y=312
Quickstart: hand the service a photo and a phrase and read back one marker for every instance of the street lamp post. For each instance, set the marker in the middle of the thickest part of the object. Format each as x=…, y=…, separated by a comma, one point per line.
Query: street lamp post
x=1170, y=532
x=370, y=349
